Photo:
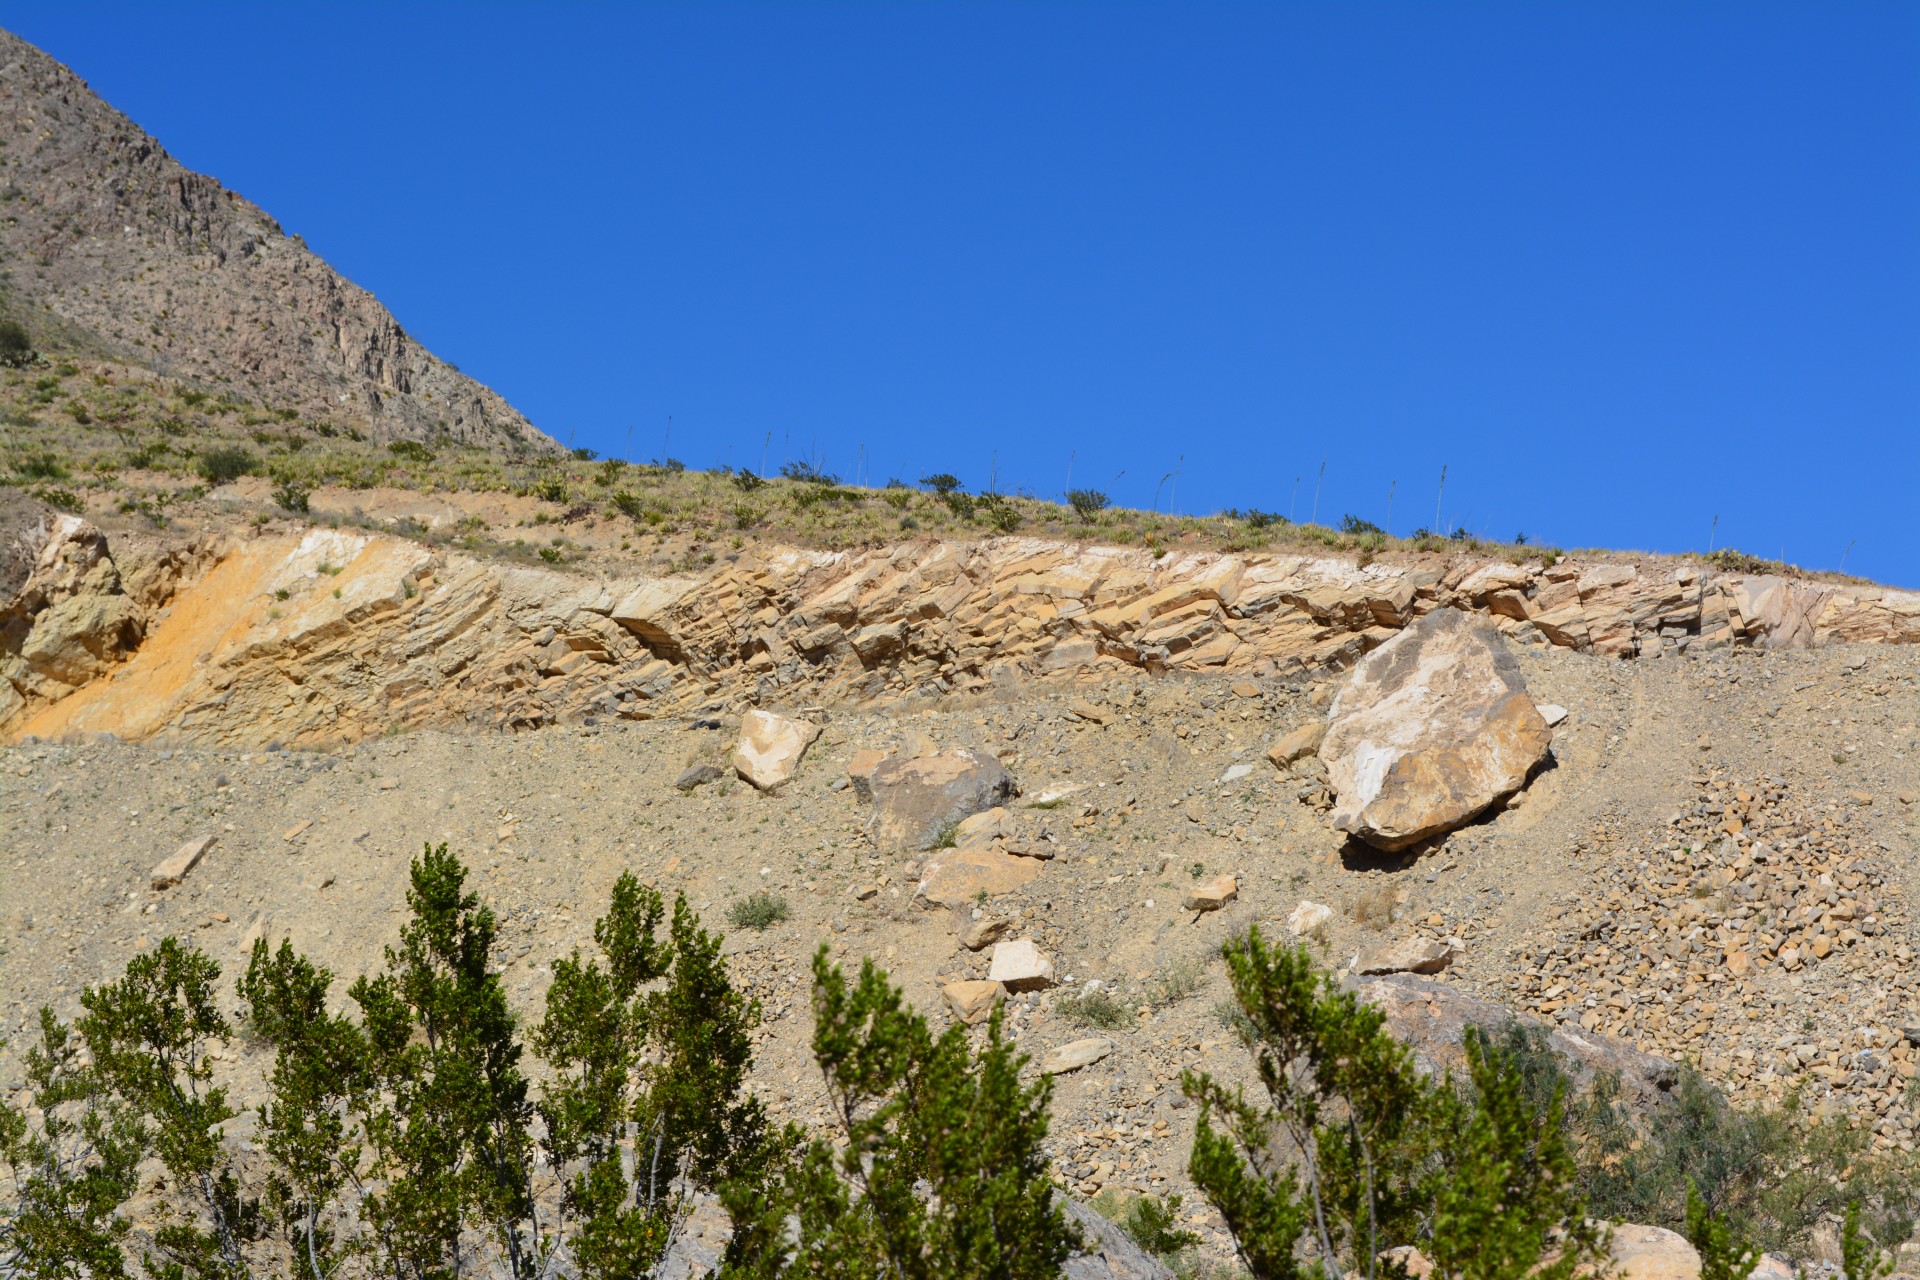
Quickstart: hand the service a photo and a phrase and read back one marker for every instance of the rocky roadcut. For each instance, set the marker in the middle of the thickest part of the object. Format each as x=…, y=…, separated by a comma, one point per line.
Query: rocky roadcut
x=1137, y=796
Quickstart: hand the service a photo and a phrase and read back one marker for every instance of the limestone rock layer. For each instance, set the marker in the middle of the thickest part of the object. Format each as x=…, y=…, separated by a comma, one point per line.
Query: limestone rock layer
x=330, y=635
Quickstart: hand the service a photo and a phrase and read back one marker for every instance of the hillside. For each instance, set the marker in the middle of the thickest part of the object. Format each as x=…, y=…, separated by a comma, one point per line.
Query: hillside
x=110, y=248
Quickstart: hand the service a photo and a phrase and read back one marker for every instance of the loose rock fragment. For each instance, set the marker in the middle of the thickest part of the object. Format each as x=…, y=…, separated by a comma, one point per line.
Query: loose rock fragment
x=174, y=869
x=1409, y=955
x=972, y=1002
x=1308, y=918
x=916, y=801
x=1021, y=965
x=1212, y=895
x=1079, y=1053
x=771, y=746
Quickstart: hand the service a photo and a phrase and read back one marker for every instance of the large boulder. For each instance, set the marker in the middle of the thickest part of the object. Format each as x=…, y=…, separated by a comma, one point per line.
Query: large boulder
x=771, y=746
x=1431, y=1018
x=1650, y=1253
x=918, y=801
x=1430, y=729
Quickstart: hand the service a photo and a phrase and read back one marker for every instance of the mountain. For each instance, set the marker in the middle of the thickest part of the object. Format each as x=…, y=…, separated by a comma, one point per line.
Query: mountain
x=110, y=247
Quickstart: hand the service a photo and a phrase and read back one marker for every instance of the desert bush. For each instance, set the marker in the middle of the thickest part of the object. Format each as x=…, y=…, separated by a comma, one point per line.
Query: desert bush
x=42, y=464
x=1152, y=1223
x=16, y=345
x=942, y=483
x=898, y=499
x=552, y=489
x=1086, y=503
x=807, y=473
x=627, y=503
x=1351, y=524
x=291, y=494
x=61, y=499
x=411, y=451
x=224, y=463
x=1001, y=514
x=759, y=910
x=1096, y=1008
x=745, y=481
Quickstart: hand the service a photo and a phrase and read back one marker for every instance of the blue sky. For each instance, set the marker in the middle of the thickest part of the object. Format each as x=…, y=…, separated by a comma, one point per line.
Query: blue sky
x=1621, y=268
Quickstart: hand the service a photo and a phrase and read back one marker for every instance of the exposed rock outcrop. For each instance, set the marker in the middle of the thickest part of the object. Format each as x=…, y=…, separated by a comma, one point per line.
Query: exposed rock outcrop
x=1431, y=728
x=375, y=632
x=115, y=246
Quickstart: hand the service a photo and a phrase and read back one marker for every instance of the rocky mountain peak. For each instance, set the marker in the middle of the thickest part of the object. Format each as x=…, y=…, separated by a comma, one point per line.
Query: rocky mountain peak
x=109, y=245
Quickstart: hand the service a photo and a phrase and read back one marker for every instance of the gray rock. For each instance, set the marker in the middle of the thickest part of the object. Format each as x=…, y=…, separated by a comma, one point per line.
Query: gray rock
x=1110, y=1252
x=916, y=800
x=699, y=775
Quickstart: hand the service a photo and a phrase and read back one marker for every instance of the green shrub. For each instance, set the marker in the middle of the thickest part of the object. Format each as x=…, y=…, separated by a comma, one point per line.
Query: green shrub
x=1096, y=1008
x=411, y=451
x=42, y=464
x=808, y=473
x=1001, y=514
x=1087, y=503
x=1479, y=1180
x=942, y=483
x=291, y=495
x=224, y=463
x=1351, y=524
x=942, y=1173
x=552, y=489
x=758, y=910
x=746, y=481
x=16, y=345
x=61, y=499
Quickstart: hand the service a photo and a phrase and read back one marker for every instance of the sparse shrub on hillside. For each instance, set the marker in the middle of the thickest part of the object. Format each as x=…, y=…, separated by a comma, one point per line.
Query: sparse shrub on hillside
x=16, y=345
x=1096, y=1008
x=1000, y=513
x=1352, y=524
x=610, y=472
x=584, y=454
x=1152, y=1223
x=42, y=464
x=808, y=473
x=942, y=1173
x=552, y=489
x=225, y=463
x=898, y=499
x=942, y=483
x=61, y=499
x=291, y=494
x=1087, y=503
x=761, y=910
x=627, y=503
x=959, y=503
x=411, y=451
x=745, y=481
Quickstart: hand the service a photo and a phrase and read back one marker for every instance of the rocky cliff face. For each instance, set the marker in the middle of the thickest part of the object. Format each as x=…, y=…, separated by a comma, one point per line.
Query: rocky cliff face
x=325, y=634
x=107, y=237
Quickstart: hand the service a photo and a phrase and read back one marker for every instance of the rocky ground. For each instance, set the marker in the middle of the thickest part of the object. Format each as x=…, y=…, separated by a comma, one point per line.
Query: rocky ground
x=1716, y=866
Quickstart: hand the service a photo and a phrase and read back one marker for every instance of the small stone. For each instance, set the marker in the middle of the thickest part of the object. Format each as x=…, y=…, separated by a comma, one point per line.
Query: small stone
x=174, y=869
x=1021, y=965
x=982, y=933
x=1552, y=713
x=1088, y=712
x=293, y=833
x=1244, y=690
x=1308, y=919
x=862, y=892
x=972, y=1002
x=1213, y=895
x=388, y=784
x=1236, y=772
x=1071, y=1057
x=1860, y=797
x=983, y=828
x=698, y=775
x=1299, y=744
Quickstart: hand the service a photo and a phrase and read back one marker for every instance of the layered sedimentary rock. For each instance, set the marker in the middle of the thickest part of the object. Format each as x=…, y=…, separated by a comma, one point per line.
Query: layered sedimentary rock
x=334, y=634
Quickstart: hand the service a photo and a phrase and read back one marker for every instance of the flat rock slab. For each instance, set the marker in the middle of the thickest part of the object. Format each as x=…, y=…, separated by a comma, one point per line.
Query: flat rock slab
x=1021, y=965
x=977, y=935
x=916, y=801
x=1430, y=729
x=1072, y=1056
x=1409, y=955
x=1299, y=744
x=771, y=746
x=1213, y=894
x=956, y=877
x=698, y=775
x=174, y=869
